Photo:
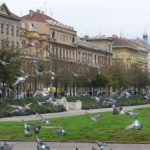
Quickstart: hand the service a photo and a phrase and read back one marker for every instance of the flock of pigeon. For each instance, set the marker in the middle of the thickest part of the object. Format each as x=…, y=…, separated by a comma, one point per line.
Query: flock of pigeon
x=30, y=129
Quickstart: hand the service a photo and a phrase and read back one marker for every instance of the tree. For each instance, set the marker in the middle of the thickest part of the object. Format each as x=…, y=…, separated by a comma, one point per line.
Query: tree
x=119, y=77
x=9, y=67
x=139, y=77
x=101, y=81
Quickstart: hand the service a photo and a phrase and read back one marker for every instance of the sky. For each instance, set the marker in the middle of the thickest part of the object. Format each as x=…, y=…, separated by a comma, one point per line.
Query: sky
x=125, y=18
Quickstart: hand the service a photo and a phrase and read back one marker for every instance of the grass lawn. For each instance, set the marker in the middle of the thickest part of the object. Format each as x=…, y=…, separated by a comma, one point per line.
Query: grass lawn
x=80, y=128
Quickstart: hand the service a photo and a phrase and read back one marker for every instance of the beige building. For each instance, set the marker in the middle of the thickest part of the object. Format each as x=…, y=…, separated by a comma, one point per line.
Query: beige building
x=55, y=41
x=96, y=51
x=9, y=28
x=50, y=36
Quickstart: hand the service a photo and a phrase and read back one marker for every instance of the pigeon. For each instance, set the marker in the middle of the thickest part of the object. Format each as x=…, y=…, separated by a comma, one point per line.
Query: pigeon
x=101, y=145
x=97, y=99
x=39, y=71
x=32, y=127
x=43, y=121
x=60, y=131
x=27, y=133
x=134, y=125
x=4, y=63
x=20, y=80
x=52, y=73
x=93, y=117
x=52, y=101
x=43, y=94
x=6, y=146
x=77, y=148
x=93, y=148
x=41, y=145
x=132, y=114
x=40, y=103
x=20, y=108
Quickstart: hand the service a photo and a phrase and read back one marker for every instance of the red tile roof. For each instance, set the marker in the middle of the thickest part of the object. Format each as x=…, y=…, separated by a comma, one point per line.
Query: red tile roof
x=37, y=16
x=118, y=41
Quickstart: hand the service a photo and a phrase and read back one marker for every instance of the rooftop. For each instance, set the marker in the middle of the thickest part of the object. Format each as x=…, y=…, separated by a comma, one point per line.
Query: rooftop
x=37, y=16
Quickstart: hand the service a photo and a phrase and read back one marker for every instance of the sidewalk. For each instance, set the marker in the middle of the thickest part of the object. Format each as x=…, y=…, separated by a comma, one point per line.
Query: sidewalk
x=80, y=146
x=68, y=113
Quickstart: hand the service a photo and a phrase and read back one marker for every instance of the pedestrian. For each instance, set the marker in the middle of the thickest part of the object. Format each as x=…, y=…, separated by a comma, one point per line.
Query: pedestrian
x=115, y=110
x=121, y=111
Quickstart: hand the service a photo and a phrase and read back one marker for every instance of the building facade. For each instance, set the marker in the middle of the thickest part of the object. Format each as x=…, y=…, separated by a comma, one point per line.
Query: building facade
x=56, y=41
x=95, y=51
x=129, y=52
x=9, y=28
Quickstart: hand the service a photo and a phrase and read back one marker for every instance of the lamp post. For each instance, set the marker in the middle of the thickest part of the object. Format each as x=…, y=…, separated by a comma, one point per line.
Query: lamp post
x=52, y=74
x=38, y=70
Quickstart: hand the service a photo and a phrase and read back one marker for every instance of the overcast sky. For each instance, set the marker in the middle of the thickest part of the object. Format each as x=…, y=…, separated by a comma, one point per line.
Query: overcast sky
x=128, y=18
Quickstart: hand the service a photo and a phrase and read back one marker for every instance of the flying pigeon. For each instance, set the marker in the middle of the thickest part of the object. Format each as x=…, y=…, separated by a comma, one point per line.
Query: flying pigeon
x=52, y=101
x=40, y=103
x=43, y=94
x=3, y=62
x=92, y=116
x=20, y=80
x=18, y=108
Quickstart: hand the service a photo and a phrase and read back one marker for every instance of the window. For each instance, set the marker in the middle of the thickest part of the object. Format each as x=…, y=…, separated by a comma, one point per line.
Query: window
x=17, y=45
x=117, y=55
x=2, y=43
x=53, y=35
x=73, y=40
x=12, y=31
x=2, y=28
x=7, y=29
x=109, y=47
x=17, y=31
x=12, y=44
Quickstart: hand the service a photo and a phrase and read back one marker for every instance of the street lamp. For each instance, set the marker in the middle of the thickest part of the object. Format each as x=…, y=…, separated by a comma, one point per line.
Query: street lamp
x=52, y=74
x=38, y=70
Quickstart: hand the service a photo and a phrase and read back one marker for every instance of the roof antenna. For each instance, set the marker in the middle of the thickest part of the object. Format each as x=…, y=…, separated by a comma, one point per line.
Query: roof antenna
x=20, y=13
x=51, y=12
x=45, y=6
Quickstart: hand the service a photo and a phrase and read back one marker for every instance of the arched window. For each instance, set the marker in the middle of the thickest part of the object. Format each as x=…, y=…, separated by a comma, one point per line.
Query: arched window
x=73, y=40
x=53, y=35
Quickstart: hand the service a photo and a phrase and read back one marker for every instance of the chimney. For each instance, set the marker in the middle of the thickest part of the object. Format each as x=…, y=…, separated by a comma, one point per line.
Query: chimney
x=31, y=12
x=42, y=12
x=145, y=37
x=38, y=10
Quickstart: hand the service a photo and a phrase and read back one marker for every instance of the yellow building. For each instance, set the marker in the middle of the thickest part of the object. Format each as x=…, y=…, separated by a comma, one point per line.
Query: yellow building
x=129, y=52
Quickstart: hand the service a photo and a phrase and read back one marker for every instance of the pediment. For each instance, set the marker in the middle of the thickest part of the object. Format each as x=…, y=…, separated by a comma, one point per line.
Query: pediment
x=4, y=10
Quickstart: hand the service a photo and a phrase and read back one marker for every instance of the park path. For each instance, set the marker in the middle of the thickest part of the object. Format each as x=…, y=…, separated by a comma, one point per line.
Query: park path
x=68, y=113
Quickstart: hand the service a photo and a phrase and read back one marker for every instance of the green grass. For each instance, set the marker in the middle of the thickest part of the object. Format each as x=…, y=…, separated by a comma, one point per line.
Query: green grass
x=80, y=128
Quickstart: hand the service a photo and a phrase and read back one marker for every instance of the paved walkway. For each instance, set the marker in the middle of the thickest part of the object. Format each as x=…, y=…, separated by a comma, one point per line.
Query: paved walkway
x=67, y=113
x=81, y=146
